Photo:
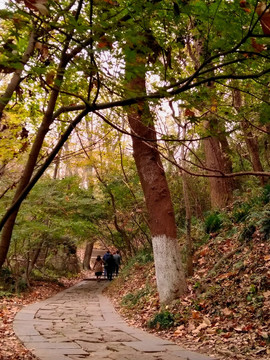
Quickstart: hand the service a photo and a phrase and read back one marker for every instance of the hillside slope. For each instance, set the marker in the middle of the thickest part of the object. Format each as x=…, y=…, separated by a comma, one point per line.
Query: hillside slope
x=227, y=310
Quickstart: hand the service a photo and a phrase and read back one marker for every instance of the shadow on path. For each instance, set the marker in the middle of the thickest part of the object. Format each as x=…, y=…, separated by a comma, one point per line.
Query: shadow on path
x=81, y=323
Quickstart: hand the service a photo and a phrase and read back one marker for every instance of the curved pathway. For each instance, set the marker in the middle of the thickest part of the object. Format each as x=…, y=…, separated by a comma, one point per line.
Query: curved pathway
x=81, y=323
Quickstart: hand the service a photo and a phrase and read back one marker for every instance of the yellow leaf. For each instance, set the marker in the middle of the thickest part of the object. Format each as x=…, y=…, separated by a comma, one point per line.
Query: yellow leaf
x=50, y=76
x=213, y=105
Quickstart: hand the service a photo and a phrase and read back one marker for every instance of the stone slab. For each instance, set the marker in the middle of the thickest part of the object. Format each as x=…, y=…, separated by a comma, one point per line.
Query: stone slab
x=54, y=353
x=24, y=328
x=51, y=345
x=25, y=315
x=145, y=347
x=48, y=354
x=31, y=338
x=191, y=355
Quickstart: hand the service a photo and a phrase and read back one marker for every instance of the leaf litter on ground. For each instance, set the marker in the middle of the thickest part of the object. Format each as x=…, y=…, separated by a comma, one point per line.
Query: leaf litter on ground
x=226, y=312
x=10, y=346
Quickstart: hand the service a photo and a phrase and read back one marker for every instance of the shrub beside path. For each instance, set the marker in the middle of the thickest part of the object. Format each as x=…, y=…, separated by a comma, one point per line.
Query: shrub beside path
x=81, y=323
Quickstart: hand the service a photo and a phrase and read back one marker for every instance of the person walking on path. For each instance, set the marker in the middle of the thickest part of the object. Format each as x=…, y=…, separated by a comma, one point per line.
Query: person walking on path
x=110, y=267
x=98, y=267
x=117, y=260
x=105, y=258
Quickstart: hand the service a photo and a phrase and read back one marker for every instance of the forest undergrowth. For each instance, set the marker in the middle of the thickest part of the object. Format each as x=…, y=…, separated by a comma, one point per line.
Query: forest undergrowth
x=226, y=312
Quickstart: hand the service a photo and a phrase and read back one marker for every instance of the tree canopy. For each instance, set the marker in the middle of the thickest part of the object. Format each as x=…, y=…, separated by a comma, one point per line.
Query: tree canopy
x=193, y=76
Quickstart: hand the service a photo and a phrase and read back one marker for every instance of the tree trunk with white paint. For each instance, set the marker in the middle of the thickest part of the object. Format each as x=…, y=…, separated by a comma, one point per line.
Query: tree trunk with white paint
x=170, y=276
x=168, y=265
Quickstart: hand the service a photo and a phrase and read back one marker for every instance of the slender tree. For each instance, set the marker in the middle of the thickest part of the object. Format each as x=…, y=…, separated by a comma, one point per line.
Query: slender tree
x=250, y=139
x=48, y=118
x=87, y=255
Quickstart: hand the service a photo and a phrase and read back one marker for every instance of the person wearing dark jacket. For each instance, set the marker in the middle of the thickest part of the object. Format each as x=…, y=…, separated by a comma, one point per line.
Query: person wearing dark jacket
x=110, y=267
x=105, y=258
x=117, y=260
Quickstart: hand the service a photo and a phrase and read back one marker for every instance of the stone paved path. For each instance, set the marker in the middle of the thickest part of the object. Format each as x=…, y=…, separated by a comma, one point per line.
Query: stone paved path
x=81, y=323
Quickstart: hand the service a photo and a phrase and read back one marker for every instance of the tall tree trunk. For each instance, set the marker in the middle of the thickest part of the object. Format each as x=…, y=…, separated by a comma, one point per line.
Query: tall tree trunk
x=32, y=159
x=215, y=146
x=56, y=166
x=253, y=149
x=250, y=140
x=32, y=262
x=226, y=152
x=220, y=188
x=87, y=255
x=168, y=266
x=189, y=244
x=68, y=167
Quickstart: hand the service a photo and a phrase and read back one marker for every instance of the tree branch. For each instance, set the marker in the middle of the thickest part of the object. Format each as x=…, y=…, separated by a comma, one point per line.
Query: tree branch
x=16, y=78
x=42, y=169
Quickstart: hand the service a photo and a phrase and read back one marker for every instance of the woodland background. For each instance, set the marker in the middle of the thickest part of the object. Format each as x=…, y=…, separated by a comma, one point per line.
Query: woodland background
x=123, y=122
